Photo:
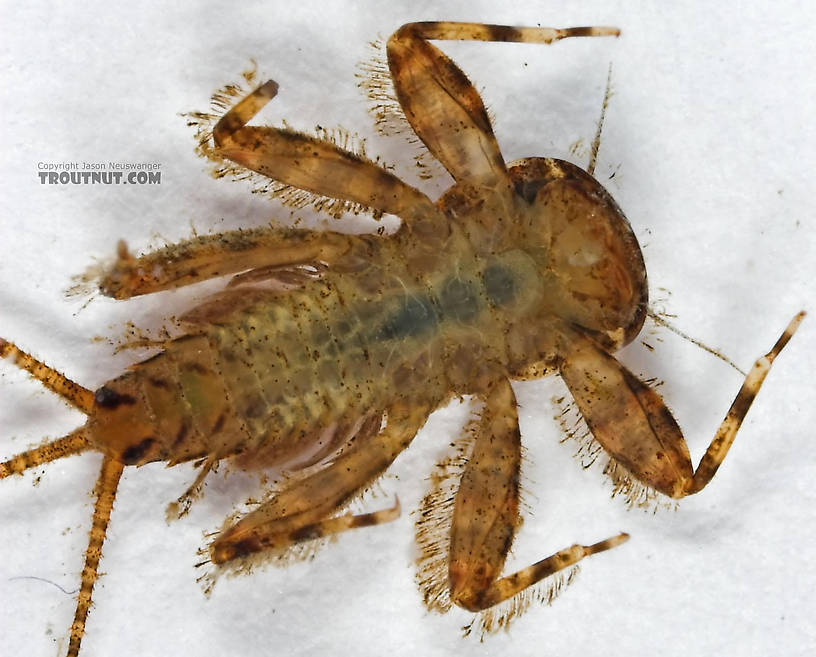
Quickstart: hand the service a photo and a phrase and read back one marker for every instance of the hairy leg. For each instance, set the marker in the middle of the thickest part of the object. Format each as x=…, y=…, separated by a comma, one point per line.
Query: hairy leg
x=442, y=105
x=631, y=422
x=486, y=514
x=303, y=510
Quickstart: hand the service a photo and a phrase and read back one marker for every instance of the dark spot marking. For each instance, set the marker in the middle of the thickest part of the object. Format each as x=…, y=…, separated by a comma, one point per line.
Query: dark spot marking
x=183, y=432
x=667, y=418
x=228, y=125
x=396, y=64
x=499, y=284
x=741, y=404
x=255, y=407
x=228, y=355
x=159, y=383
x=306, y=533
x=242, y=548
x=219, y=423
x=459, y=301
x=365, y=520
x=582, y=31
x=135, y=453
x=415, y=316
x=507, y=544
x=198, y=368
x=503, y=33
x=108, y=398
x=528, y=189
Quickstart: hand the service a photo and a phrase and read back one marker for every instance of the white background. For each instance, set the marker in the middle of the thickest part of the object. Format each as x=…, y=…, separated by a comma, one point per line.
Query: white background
x=710, y=135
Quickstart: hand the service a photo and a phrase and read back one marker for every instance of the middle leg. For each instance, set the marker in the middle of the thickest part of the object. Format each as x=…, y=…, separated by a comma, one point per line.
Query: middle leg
x=486, y=514
x=312, y=164
x=209, y=256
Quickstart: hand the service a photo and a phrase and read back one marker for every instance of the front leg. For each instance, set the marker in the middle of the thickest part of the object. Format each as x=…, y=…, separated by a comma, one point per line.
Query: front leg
x=631, y=422
x=441, y=104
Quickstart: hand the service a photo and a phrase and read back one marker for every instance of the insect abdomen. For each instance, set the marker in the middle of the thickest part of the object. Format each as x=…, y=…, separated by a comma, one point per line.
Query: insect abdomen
x=278, y=370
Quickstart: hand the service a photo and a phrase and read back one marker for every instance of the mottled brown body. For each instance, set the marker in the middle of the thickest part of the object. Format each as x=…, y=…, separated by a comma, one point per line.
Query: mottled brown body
x=325, y=353
x=261, y=370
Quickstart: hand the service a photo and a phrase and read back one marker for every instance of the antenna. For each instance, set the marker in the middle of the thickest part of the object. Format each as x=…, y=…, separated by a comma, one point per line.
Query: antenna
x=657, y=319
x=596, y=142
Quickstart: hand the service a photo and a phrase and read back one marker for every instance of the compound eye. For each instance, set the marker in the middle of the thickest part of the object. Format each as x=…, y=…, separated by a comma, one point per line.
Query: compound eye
x=108, y=398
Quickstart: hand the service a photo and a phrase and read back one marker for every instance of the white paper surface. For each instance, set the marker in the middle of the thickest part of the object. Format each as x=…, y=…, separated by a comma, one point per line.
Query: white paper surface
x=710, y=137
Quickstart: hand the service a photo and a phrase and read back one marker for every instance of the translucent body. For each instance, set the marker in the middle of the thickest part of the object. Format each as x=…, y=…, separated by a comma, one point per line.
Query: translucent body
x=262, y=370
x=326, y=353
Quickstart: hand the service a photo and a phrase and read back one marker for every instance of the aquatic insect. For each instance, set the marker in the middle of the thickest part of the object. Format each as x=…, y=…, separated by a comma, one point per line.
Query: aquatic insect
x=326, y=352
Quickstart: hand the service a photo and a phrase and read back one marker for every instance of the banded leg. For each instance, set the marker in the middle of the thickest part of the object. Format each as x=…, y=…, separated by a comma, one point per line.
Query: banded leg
x=486, y=514
x=631, y=422
x=302, y=511
x=441, y=104
x=312, y=164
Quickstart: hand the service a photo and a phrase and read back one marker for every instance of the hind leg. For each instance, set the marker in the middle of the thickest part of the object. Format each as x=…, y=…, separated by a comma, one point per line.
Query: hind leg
x=486, y=514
